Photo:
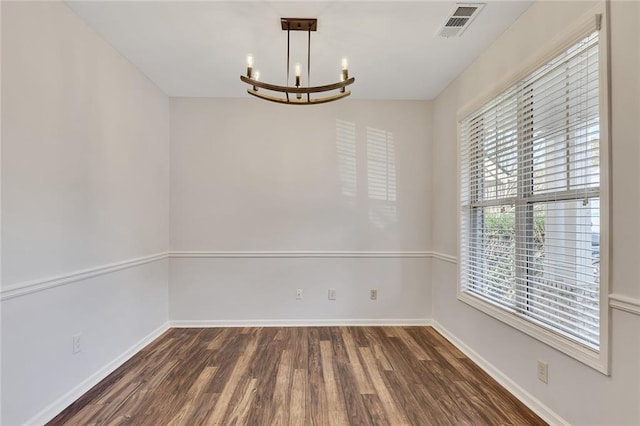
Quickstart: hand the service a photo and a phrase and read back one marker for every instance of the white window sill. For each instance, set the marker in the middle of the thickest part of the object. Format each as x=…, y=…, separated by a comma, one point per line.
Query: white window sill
x=592, y=358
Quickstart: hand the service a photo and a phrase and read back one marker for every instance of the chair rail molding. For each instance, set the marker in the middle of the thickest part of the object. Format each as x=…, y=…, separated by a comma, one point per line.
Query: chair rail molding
x=444, y=257
x=624, y=303
x=34, y=286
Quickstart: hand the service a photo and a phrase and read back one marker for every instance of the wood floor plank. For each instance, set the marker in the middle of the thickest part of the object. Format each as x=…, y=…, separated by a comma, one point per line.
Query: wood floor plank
x=431, y=405
x=173, y=388
x=393, y=413
x=417, y=351
x=227, y=392
x=298, y=345
x=268, y=356
x=218, y=339
x=113, y=409
x=375, y=409
x=364, y=385
x=240, y=410
x=423, y=339
x=324, y=333
x=355, y=409
x=359, y=336
x=374, y=336
x=299, y=376
x=282, y=393
x=316, y=399
x=381, y=357
x=335, y=404
x=297, y=411
x=193, y=395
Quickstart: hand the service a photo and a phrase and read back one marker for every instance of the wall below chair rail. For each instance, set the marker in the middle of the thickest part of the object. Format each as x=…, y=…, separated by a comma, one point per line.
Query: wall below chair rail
x=112, y=313
x=262, y=291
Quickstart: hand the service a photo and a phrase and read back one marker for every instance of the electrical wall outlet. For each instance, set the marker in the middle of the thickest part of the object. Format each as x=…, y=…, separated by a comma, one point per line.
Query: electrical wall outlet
x=543, y=371
x=332, y=294
x=373, y=294
x=299, y=294
x=77, y=343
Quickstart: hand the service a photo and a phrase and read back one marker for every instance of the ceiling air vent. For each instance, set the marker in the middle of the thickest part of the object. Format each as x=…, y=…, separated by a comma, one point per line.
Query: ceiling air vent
x=460, y=19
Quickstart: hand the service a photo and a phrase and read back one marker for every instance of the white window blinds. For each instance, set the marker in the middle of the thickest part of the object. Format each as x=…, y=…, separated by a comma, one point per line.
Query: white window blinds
x=530, y=197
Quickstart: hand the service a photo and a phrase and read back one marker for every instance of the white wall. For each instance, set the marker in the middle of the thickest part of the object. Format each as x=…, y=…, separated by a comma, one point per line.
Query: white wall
x=85, y=179
x=575, y=392
x=249, y=176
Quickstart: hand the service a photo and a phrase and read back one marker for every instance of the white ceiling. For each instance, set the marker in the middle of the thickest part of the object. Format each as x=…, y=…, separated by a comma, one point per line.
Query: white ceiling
x=199, y=48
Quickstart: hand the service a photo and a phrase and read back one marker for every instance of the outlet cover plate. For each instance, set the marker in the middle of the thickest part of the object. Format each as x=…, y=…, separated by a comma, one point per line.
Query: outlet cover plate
x=543, y=371
x=77, y=343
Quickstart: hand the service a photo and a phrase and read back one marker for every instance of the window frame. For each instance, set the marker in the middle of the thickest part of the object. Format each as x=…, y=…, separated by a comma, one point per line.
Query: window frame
x=594, y=20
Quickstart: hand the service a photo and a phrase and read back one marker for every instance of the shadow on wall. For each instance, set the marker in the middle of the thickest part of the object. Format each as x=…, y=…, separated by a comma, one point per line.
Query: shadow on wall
x=380, y=185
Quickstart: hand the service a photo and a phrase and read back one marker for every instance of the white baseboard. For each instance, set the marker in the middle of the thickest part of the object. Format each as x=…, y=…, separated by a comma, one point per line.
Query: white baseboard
x=299, y=254
x=67, y=399
x=298, y=323
x=546, y=413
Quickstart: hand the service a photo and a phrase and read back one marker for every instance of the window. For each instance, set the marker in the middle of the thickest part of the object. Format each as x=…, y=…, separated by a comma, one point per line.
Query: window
x=530, y=199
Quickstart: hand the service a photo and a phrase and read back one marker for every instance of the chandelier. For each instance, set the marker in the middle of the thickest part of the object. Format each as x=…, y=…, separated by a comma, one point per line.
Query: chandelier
x=298, y=94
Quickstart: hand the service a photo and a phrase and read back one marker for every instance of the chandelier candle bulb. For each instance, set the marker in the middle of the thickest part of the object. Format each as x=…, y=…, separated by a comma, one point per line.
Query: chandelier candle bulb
x=249, y=65
x=345, y=70
x=297, y=67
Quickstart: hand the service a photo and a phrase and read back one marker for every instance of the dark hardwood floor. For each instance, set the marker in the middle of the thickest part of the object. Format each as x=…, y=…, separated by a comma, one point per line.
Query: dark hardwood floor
x=299, y=376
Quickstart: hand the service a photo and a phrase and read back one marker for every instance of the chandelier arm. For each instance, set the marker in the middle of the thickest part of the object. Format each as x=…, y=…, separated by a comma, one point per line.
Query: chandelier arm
x=296, y=101
x=290, y=89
